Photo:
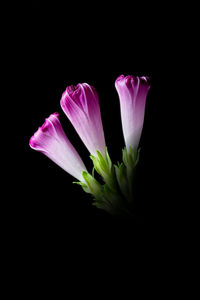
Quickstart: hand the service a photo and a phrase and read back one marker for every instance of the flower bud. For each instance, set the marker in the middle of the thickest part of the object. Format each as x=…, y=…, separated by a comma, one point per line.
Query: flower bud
x=81, y=105
x=132, y=93
x=51, y=140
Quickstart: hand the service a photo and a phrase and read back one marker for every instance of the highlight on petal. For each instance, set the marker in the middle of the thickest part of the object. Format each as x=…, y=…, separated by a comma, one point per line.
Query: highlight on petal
x=51, y=140
x=81, y=105
x=132, y=91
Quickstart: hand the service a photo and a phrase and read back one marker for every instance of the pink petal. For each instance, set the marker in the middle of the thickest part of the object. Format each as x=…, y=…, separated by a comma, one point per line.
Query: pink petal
x=81, y=105
x=132, y=93
x=51, y=140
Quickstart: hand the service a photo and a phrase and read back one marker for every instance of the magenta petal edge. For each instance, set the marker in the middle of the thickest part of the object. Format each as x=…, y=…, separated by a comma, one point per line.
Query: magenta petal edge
x=132, y=92
x=81, y=105
x=51, y=140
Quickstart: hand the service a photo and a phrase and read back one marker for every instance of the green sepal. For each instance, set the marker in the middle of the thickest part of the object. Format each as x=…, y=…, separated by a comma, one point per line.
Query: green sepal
x=111, y=196
x=121, y=175
x=107, y=201
x=131, y=157
x=103, y=205
x=93, y=171
x=137, y=156
x=102, y=201
x=93, y=185
x=125, y=176
x=125, y=156
x=104, y=167
x=96, y=164
x=103, y=162
x=109, y=162
x=84, y=186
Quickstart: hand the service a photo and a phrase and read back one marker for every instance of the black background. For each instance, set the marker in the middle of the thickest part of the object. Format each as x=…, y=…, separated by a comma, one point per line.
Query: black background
x=60, y=45
x=52, y=231
x=66, y=45
x=52, y=222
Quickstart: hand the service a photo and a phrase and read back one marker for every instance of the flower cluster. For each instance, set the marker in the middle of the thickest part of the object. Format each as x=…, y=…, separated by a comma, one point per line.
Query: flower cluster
x=81, y=106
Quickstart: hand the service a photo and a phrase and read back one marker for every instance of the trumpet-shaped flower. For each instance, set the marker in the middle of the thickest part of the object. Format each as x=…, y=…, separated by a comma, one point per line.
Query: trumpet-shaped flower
x=132, y=93
x=81, y=105
x=50, y=139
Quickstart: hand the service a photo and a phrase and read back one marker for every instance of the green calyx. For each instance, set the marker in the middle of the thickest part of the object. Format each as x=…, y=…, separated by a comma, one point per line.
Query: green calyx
x=91, y=185
x=125, y=172
x=104, y=167
x=130, y=158
x=116, y=193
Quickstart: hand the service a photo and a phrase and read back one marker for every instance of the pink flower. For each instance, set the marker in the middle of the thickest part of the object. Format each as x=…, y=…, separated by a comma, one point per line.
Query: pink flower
x=132, y=93
x=81, y=105
x=51, y=140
